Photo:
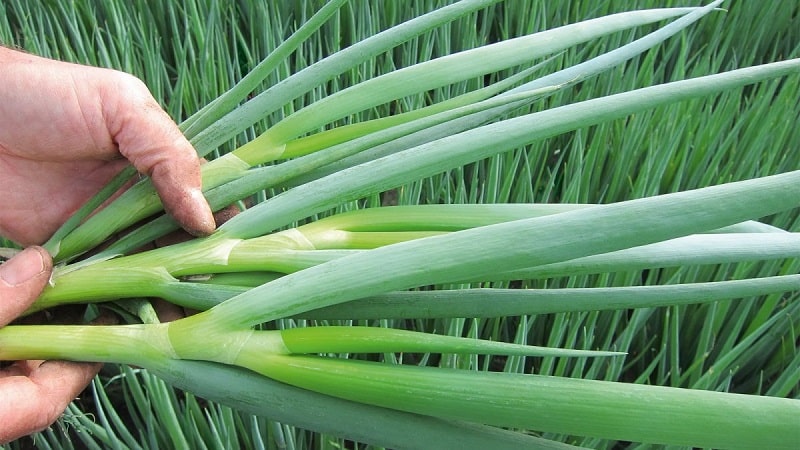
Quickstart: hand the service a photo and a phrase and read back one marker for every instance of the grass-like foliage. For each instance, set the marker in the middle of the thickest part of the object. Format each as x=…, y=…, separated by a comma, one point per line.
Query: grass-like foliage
x=481, y=225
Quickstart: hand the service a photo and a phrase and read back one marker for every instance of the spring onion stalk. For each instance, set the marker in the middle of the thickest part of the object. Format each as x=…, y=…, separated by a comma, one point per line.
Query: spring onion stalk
x=140, y=201
x=689, y=250
x=248, y=391
x=451, y=217
x=463, y=105
x=303, y=81
x=435, y=73
x=139, y=344
x=281, y=252
x=496, y=302
x=469, y=146
x=156, y=273
x=120, y=179
x=612, y=58
x=584, y=70
x=291, y=251
x=628, y=412
x=548, y=239
x=332, y=339
x=510, y=400
x=529, y=401
x=329, y=67
x=568, y=75
x=745, y=248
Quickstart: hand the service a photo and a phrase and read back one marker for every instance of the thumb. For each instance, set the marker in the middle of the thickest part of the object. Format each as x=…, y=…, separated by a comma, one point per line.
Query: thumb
x=22, y=279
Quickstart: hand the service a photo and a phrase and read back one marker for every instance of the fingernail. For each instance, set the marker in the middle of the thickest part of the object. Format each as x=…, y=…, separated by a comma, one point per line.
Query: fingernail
x=23, y=267
x=205, y=224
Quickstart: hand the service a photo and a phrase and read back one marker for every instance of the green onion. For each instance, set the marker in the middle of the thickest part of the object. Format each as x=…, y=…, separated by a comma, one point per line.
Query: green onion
x=312, y=307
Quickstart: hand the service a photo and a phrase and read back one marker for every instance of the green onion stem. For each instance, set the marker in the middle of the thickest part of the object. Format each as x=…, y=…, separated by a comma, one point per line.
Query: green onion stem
x=566, y=76
x=609, y=59
x=303, y=81
x=466, y=104
x=250, y=392
x=450, y=217
x=130, y=344
x=154, y=273
x=100, y=283
x=453, y=151
x=273, y=252
x=126, y=344
x=688, y=250
x=599, y=409
x=338, y=339
x=138, y=202
x=489, y=302
x=439, y=72
x=548, y=239
x=53, y=244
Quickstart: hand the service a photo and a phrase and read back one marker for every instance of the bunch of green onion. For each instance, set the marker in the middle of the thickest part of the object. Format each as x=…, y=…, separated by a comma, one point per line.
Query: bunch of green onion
x=367, y=264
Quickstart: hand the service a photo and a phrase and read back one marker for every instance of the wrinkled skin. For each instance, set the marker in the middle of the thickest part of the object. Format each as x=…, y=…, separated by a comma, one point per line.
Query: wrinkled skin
x=65, y=130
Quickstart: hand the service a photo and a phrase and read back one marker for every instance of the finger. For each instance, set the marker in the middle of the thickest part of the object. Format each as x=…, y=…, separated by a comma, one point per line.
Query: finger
x=62, y=381
x=148, y=137
x=226, y=214
x=31, y=403
x=176, y=237
x=22, y=279
x=167, y=312
x=20, y=368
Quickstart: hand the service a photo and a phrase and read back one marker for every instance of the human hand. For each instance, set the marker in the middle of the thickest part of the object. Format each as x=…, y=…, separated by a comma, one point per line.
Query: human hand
x=66, y=130
x=33, y=393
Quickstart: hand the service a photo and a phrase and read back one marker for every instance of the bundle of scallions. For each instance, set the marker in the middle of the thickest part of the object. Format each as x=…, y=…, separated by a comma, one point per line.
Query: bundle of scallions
x=373, y=263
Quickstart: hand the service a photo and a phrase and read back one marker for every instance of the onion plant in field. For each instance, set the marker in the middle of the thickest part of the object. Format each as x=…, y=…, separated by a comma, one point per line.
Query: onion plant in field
x=483, y=306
